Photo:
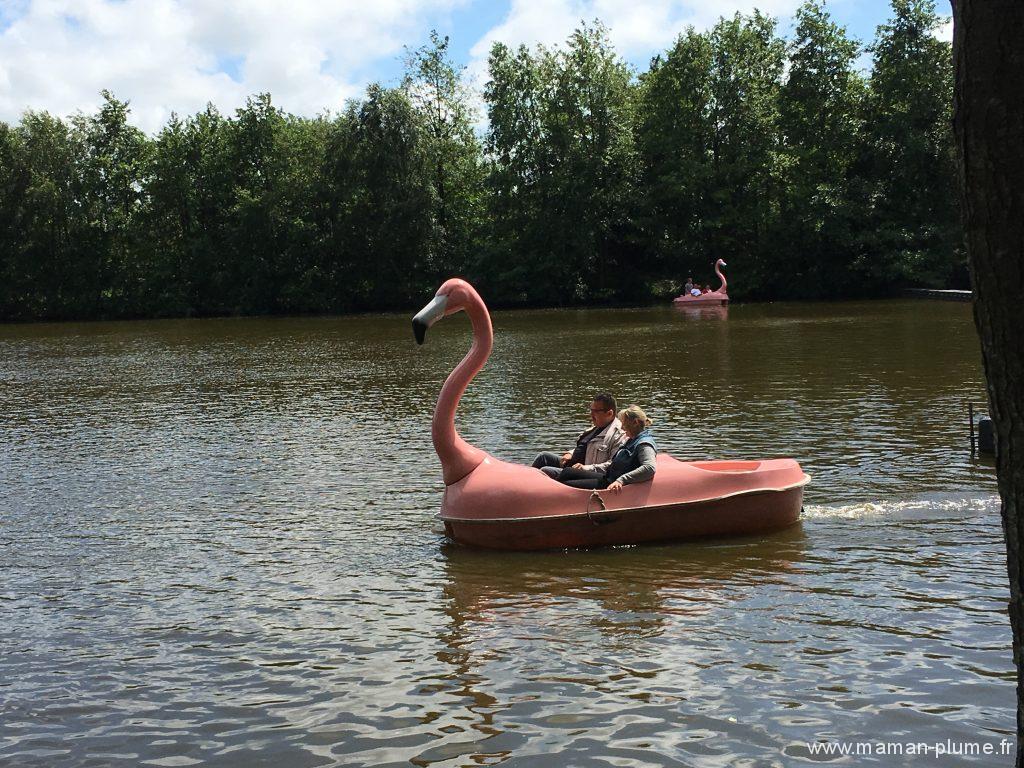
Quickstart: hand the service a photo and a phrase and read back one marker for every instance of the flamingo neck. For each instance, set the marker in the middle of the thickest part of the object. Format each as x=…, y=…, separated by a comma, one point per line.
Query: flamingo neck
x=459, y=458
x=722, y=287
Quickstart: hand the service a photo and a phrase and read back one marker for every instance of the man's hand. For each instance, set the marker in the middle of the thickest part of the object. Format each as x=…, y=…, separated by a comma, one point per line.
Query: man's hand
x=566, y=458
x=615, y=487
x=577, y=465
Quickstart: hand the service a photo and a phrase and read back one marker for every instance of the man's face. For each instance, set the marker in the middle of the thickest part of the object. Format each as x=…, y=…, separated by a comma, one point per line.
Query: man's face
x=600, y=415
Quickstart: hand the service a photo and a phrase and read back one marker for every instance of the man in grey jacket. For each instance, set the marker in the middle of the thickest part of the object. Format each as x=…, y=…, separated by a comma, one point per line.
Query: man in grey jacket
x=594, y=447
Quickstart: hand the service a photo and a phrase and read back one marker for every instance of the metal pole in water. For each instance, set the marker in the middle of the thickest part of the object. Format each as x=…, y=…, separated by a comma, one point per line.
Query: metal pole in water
x=970, y=417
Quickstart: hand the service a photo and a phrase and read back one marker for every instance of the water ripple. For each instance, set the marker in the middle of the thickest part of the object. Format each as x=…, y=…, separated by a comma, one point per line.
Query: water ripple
x=218, y=546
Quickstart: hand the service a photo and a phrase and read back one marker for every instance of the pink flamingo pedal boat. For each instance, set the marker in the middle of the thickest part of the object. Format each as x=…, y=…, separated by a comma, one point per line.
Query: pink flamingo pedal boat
x=494, y=504
x=719, y=297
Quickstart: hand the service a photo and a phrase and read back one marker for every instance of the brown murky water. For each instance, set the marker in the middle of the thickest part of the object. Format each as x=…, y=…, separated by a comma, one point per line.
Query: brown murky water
x=217, y=546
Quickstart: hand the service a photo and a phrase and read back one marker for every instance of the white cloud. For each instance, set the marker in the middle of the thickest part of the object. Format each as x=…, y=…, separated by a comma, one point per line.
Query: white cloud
x=311, y=55
x=637, y=28
x=168, y=55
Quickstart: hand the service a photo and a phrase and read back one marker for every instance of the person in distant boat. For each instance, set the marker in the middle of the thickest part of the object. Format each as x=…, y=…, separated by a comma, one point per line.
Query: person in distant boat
x=634, y=462
x=695, y=291
x=594, y=446
x=689, y=285
x=706, y=289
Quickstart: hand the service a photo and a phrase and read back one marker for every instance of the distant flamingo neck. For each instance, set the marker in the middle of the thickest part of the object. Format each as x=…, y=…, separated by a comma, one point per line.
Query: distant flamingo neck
x=459, y=458
x=724, y=285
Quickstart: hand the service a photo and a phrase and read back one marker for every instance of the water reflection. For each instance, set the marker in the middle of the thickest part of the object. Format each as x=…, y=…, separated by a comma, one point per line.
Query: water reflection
x=504, y=608
x=733, y=651
x=639, y=586
x=719, y=312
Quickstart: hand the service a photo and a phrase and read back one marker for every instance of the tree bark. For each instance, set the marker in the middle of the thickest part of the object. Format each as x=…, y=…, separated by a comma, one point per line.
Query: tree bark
x=988, y=121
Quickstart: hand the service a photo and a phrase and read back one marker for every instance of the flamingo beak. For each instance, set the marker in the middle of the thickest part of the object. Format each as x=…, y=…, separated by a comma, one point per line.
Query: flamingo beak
x=723, y=263
x=427, y=316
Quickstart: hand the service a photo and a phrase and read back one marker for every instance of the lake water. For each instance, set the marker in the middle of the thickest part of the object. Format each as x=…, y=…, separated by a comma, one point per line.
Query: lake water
x=218, y=547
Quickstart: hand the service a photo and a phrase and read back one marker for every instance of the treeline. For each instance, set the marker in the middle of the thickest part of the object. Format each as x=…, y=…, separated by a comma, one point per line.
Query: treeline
x=591, y=184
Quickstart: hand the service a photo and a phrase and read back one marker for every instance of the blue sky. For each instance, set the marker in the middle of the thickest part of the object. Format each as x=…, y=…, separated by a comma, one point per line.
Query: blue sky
x=169, y=56
x=465, y=26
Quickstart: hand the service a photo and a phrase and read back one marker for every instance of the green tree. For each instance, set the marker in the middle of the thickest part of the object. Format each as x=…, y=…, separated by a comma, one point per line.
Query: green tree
x=565, y=166
x=258, y=226
x=110, y=189
x=911, y=235
x=304, y=210
x=593, y=163
x=514, y=173
x=47, y=224
x=590, y=185
x=191, y=193
x=820, y=111
x=437, y=92
x=172, y=223
x=747, y=64
x=13, y=184
x=382, y=185
x=674, y=133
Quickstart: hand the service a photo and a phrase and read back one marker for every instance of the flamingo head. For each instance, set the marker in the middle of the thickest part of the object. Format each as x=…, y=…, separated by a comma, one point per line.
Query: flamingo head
x=450, y=298
x=721, y=263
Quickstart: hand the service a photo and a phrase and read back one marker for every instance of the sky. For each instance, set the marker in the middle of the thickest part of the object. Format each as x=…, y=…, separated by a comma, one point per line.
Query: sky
x=175, y=56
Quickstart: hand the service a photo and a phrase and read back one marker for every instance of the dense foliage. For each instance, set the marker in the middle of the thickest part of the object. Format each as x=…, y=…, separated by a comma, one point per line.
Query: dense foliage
x=810, y=177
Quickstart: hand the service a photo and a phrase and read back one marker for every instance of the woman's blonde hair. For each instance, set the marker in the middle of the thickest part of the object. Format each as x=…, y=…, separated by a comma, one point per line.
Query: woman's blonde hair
x=635, y=414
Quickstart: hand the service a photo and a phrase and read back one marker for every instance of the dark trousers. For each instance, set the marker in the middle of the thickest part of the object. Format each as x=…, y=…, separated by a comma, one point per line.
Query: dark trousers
x=549, y=463
x=583, y=478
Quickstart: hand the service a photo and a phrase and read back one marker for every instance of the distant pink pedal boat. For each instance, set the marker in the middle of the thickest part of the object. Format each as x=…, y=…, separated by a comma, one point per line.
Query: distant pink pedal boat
x=719, y=297
x=491, y=503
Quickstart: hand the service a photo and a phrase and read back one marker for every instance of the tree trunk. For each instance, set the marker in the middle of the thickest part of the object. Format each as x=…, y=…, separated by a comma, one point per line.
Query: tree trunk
x=988, y=120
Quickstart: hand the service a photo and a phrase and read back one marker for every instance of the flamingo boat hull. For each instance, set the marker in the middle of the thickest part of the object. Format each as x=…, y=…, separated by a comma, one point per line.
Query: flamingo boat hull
x=705, y=300
x=686, y=500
